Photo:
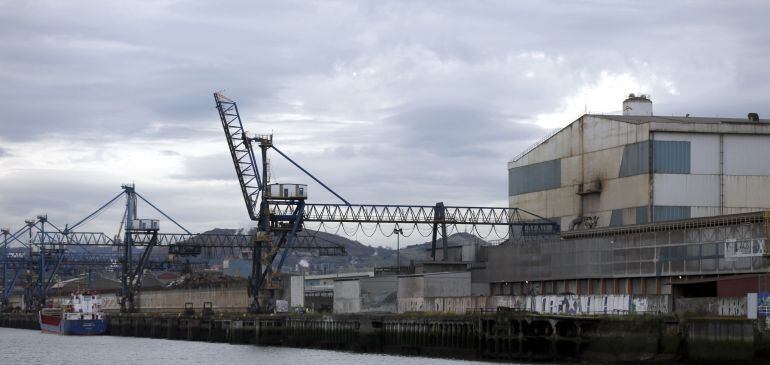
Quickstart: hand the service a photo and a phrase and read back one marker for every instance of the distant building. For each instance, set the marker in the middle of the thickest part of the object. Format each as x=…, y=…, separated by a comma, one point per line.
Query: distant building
x=635, y=168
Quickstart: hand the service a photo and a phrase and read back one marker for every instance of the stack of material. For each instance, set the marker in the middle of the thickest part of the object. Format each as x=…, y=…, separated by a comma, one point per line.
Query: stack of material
x=207, y=279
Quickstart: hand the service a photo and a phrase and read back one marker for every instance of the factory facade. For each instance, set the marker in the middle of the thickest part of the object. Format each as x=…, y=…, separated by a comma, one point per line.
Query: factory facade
x=647, y=205
x=636, y=168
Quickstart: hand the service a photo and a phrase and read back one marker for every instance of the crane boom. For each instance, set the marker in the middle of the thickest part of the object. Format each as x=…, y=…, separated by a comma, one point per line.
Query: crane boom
x=241, y=152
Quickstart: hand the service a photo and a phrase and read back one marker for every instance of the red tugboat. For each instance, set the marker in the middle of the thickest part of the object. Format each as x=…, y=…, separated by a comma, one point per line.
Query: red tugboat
x=80, y=315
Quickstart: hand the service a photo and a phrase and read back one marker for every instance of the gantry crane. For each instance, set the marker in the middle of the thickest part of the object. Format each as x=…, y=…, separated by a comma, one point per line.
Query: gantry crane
x=282, y=213
x=47, y=249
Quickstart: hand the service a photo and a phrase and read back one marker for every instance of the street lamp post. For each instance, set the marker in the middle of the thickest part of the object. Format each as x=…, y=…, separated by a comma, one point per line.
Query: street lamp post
x=398, y=232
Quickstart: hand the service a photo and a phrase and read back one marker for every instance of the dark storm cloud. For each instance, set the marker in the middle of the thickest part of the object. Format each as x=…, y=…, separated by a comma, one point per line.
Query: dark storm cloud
x=399, y=101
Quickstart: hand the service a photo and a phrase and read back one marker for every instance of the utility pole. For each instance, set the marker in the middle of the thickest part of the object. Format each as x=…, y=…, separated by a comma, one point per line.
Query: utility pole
x=127, y=300
x=398, y=231
x=41, y=271
x=29, y=291
x=5, y=233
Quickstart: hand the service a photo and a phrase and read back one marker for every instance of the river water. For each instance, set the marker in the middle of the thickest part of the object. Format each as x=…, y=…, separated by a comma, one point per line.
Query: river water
x=32, y=347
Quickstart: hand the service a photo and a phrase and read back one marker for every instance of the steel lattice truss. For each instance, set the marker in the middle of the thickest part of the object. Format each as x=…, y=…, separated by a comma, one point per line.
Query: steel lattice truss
x=240, y=151
x=414, y=214
x=100, y=260
x=75, y=238
x=305, y=241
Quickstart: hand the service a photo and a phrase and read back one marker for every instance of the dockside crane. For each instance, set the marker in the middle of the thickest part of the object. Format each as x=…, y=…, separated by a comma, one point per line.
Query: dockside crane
x=48, y=248
x=258, y=195
x=281, y=209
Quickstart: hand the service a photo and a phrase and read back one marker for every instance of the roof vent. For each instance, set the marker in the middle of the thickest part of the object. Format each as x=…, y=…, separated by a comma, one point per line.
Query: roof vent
x=754, y=117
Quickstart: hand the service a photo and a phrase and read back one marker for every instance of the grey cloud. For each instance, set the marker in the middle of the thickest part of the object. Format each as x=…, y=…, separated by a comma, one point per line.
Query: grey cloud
x=404, y=102
x=216, y=167
x=170, y=153
x=451, y=130
x=69, y=197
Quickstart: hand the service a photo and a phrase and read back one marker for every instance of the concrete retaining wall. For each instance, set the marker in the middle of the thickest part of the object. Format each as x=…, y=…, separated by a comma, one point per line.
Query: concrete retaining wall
x=723, y=306
x=552, y=304
x=378, y=294
x=347, y=296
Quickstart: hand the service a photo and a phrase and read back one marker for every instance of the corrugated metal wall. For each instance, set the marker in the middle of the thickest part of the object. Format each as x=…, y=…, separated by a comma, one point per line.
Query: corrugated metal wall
x=669, y=213
x=669, y=157
x=641, y=215
x=536, y=177
x=636, y=159
x=616, y=219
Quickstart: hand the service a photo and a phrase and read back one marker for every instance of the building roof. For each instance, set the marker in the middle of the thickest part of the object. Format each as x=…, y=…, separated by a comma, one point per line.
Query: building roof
x=340, y=275
x=640, y=119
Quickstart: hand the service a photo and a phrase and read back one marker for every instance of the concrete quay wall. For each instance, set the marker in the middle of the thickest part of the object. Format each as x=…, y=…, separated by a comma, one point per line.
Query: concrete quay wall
x=501, y=336
x=236, y=300
x=543, y=304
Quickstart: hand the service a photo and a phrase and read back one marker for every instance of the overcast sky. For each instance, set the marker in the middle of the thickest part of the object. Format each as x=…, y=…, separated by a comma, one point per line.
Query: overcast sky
x=389, y=102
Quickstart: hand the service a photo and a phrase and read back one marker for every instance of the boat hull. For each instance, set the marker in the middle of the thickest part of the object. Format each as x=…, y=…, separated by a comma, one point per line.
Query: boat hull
x=78, y=327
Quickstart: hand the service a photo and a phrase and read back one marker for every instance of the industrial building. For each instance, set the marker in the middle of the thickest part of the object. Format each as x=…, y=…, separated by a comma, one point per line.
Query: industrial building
x=647, y=205
x=636, y=168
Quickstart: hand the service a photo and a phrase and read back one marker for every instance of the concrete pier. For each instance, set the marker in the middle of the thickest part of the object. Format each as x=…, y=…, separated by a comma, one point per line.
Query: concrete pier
x=492, y=337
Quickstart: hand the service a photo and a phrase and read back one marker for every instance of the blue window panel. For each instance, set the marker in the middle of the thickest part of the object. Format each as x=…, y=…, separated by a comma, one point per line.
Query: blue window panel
x=536, y=177
x=641, y=215
x=671, y=157
x=616, y=219
x=636, y=159
x=662, y=213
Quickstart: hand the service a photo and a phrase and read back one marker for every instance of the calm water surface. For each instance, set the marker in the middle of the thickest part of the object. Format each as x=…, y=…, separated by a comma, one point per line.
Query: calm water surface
x=33, y=347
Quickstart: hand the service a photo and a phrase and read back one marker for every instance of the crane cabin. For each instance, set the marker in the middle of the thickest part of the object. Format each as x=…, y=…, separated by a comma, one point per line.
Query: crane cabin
x=287, y=191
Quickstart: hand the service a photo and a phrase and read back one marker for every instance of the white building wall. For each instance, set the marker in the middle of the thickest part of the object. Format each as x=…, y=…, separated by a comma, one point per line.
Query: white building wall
x=297, y=289
x=747, y=155
x=559, y=145
x=603, y=145
x=347, y=296
x=686, y=190
x=747, y=192
x=451, y=284
x=747, y=172
x=600, y=133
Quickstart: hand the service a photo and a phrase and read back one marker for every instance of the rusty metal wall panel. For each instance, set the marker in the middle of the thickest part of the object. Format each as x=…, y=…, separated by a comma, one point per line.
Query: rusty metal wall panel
x=737, y=287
